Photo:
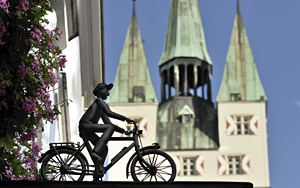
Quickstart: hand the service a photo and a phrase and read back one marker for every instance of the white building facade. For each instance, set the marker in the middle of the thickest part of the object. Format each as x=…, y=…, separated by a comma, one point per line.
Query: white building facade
x=81, y=22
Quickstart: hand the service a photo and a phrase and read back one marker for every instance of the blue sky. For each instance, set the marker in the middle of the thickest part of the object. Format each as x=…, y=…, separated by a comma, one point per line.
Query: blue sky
x=273, y=29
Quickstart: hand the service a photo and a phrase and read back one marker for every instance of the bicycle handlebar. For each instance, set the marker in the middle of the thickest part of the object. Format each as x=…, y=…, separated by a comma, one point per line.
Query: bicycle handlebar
x=130, y=121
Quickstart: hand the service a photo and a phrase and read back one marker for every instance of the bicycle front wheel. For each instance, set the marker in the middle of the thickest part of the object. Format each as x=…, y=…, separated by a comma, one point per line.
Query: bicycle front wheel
x=63, y=166
x=162, y=167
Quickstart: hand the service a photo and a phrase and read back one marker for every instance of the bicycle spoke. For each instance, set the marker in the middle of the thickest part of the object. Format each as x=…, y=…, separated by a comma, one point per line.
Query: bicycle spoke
x=52, y=166
x=160, y=176
x=55, y=176
x=52, y=171
x=72, y=161
x=163, y=172
x=146, y=177
x=60, y=161
x=77, y=167
x=164, y=167
x=149, y=159
x=63, y=177
x=155, y=159
x=67, y=158
x=72, y=158
x=158, y=165
x=56, y=162
x=70, y=177
x=141, y=171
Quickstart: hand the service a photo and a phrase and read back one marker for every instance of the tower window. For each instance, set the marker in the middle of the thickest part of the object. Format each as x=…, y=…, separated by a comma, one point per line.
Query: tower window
x=234, y=165
x=188, y=167
x=186, y=114
x=187, y=118
x=242, y=125
x=138, y=94
x=235, y=97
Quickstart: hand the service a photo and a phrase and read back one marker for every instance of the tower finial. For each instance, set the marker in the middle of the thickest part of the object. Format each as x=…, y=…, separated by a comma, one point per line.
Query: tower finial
x=238, y=6
x=133, y=12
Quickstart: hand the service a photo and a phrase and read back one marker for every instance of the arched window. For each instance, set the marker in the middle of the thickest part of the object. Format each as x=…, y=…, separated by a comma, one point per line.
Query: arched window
x=181, y=79
x=191, y=79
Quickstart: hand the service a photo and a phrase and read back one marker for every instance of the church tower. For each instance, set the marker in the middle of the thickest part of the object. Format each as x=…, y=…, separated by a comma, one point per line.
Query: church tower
x=133, y=95
x=186, y=115
x=242, y=108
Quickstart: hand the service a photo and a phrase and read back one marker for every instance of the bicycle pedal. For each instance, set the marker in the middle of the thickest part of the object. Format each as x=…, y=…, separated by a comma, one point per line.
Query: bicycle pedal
x=97, y=177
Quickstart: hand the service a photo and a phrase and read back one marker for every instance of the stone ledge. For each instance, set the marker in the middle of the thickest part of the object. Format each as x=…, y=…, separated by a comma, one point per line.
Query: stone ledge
x=106, y=184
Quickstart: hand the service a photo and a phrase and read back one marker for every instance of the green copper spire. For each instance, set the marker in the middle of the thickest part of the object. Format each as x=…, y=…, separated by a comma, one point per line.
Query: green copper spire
x=133, y=82
x=185, y=35
x=240, y=79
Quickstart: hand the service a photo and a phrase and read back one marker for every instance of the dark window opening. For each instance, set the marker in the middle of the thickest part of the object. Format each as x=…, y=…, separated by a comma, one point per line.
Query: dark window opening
x=72, y=18
x=235, y=97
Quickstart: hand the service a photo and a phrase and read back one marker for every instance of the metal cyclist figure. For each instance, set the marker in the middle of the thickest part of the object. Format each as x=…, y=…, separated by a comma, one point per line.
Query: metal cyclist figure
x=88, y=126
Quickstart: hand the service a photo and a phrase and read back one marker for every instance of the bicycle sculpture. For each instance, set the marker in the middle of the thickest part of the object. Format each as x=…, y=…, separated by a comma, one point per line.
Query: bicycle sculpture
x=66, y=162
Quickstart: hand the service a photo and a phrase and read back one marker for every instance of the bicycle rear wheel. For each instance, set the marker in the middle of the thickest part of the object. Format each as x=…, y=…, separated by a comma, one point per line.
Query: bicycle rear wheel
x=162, y=167
x=63, y=166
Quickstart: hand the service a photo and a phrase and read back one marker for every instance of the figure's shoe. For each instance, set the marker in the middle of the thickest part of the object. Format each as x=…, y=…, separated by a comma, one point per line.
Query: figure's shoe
x=99, y=168
x=96, y=178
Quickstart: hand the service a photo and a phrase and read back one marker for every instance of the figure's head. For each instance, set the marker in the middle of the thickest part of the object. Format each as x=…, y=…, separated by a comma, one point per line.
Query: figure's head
x=101, y=90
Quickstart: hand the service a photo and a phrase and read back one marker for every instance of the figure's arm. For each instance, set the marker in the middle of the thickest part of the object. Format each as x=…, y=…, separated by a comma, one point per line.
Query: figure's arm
x=108, y=112
x=106, y=120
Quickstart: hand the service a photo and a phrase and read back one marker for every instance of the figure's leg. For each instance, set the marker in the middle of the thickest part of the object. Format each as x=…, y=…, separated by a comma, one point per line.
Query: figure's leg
x=93, y=138
x=100, y=149
x=107, y=130
x=101, y=144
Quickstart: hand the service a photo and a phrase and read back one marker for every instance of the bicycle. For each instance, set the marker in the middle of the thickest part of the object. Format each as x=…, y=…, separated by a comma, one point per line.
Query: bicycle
x=65, y=161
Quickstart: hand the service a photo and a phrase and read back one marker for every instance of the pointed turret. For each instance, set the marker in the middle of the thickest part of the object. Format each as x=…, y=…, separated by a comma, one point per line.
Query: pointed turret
x=133, y=95
x=241, y=81
x=185, y=35
x=242, y=110
x=132, y=82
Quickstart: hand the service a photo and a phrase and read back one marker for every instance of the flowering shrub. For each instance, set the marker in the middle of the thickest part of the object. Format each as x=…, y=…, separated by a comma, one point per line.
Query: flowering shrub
x=28, y=62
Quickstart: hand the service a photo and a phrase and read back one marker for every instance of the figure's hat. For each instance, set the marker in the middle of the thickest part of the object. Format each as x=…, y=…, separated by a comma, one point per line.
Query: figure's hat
x=102, y=86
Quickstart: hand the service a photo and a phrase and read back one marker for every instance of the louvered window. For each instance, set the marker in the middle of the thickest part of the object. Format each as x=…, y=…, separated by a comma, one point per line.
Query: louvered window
x=234, y=165
x=242, y=124
x=189, y=167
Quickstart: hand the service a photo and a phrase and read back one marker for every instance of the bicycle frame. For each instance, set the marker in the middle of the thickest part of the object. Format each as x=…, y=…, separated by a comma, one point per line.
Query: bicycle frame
x=125, y=150
x=117, y=157
x=135, y=144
